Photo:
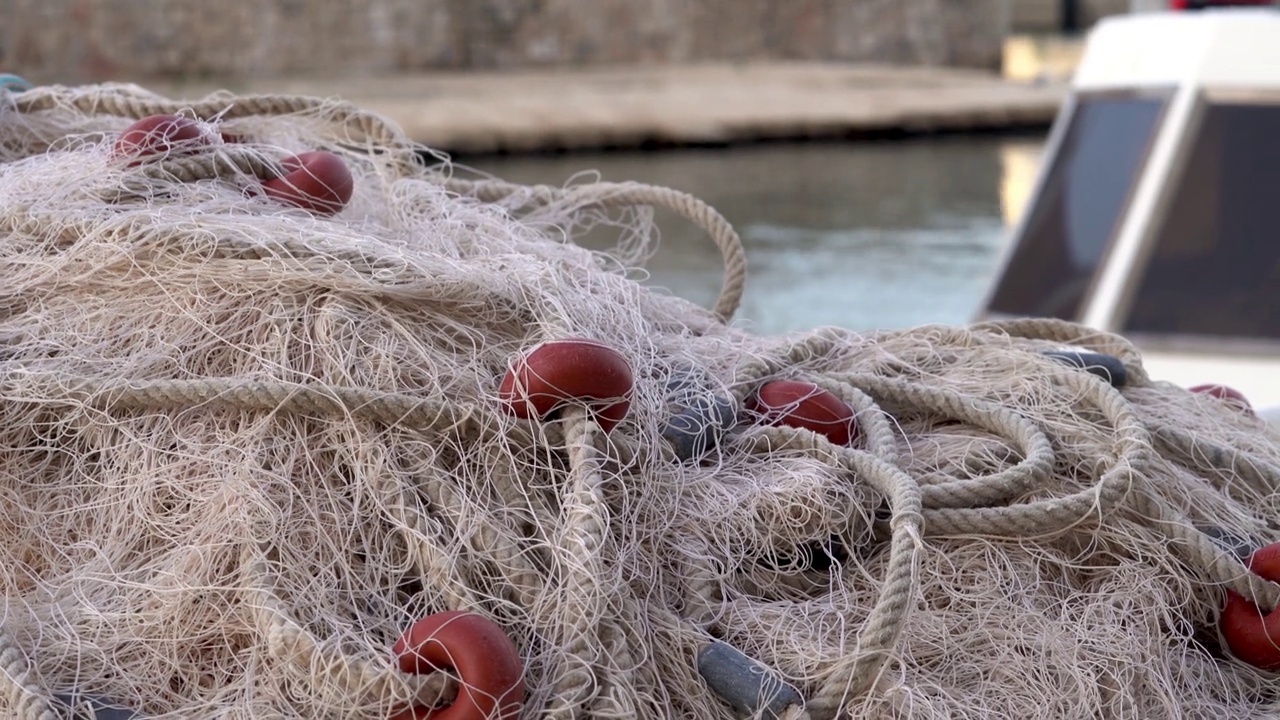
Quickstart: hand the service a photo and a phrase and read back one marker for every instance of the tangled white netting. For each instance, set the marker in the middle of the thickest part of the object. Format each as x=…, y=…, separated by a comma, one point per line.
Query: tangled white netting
x=245, y=447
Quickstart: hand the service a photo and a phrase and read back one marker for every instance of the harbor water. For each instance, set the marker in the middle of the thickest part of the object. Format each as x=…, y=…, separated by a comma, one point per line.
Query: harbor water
x=869, y=235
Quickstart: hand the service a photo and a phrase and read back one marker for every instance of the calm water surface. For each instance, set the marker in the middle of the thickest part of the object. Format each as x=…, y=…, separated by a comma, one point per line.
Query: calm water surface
x=865, y=235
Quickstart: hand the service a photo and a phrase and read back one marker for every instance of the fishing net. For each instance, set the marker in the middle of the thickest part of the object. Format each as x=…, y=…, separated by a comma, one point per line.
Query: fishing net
x=245, y=446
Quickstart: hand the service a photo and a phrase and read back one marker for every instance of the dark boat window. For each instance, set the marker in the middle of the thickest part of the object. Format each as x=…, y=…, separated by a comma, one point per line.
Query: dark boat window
x=1215, y=266
x=1079, y=207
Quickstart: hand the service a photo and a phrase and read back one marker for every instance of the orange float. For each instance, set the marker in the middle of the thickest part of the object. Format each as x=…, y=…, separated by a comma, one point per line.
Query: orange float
x=805, y=405
x=561, y=372
x=158, y=135
x=1230, y=395
x=473, y=646
x=1252, y=635
x=318, y=181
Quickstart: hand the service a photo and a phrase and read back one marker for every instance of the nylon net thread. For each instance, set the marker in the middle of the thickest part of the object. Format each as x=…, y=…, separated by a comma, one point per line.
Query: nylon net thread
x=246, y=447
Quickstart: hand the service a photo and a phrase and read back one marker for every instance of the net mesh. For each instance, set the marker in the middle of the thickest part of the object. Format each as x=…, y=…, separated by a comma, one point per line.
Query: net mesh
x=244, y=447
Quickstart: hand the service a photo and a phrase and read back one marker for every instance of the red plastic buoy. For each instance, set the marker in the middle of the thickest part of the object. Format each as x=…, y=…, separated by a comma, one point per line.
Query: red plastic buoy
x=1253, y=636
x=560, y=372
x=318, y=181
x=158, y=135
x=805, y=405
x=1230, y=395
x=479, y=651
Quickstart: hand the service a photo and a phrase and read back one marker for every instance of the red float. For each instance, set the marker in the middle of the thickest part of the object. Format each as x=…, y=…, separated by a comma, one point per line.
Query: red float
x=560, y=372
x=1230, y=395
x=1252, y=635
x=484, y=658
x=318, y=181
x=158, y=135
x=805, y=405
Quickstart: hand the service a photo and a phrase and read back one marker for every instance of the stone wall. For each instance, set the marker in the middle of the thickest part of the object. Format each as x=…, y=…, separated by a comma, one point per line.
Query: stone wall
x=72, y=41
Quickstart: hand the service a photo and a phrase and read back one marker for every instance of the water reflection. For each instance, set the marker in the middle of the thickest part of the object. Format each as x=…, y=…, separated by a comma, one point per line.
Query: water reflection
x=864, y=235
x=1019, y=169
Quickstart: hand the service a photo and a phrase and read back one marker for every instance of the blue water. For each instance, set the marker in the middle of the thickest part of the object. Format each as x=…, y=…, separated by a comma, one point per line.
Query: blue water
x=863, y=235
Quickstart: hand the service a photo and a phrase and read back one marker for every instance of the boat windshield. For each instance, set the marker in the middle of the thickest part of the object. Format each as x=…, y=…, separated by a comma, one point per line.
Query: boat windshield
x=1081, y=199
x=1214, y=268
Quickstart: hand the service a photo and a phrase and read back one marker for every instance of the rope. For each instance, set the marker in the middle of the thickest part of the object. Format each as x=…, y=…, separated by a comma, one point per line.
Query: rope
x=327, y=669
x=578, y=546
x=1068, y=333
x=358, y=126
x=229, y=161
x=1206, y=456
x=875, y=642
x=976, y=492
x=615, y=195
x=318, y=400
x=23, y=697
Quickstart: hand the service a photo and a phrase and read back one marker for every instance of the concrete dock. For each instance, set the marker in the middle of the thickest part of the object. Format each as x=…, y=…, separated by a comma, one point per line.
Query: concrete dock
x=655, y=106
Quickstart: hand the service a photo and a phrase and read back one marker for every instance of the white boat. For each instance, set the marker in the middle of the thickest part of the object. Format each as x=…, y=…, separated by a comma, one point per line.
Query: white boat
x=1156, y=213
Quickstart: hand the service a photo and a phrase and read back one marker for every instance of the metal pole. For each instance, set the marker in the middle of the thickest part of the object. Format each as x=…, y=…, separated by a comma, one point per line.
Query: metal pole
x=1070, y=16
